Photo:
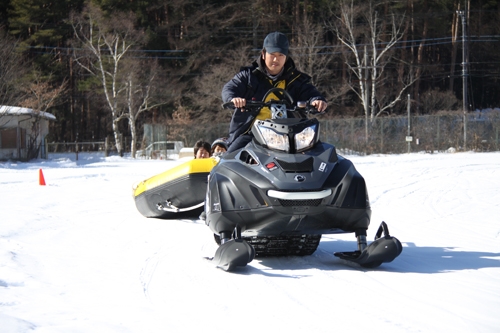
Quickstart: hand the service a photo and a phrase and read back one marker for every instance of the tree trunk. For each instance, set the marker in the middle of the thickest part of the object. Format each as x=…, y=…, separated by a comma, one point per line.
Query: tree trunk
x=118, y=140
x=133, y=134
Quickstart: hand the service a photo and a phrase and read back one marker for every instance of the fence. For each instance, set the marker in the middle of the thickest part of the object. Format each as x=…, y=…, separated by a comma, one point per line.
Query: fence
x=156, y=150
x=386, y=135
x=161, y=150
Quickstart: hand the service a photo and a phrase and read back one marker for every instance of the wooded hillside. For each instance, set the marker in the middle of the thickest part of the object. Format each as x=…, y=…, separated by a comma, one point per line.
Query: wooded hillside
x=104, y=67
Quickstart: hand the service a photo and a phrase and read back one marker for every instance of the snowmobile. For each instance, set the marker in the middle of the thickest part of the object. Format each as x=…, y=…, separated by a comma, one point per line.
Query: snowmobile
x=286, y=188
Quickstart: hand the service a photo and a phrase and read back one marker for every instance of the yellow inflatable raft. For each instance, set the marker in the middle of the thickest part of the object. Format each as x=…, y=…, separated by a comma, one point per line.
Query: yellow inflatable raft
x=178, y=190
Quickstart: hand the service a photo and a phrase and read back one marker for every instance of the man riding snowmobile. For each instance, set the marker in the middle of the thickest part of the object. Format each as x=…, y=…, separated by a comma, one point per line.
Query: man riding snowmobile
x=279, y=188
x=273, y=69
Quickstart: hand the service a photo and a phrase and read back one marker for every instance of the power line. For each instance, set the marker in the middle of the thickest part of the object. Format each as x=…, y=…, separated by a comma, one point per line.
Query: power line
x=427, y=42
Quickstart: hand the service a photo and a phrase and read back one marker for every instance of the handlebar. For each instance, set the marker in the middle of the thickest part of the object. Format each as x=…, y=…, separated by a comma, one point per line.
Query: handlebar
x=254, y=105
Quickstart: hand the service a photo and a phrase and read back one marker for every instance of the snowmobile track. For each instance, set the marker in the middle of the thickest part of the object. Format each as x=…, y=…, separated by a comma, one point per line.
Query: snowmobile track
x=276, y=246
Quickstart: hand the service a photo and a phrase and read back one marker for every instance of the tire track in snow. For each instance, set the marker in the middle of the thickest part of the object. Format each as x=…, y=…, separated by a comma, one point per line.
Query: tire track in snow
x=147, y=273
x=318, y=280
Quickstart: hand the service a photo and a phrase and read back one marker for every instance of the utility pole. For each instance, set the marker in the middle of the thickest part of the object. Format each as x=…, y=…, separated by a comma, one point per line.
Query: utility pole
x=465, y=73
x=409, y=139
x=366, y=95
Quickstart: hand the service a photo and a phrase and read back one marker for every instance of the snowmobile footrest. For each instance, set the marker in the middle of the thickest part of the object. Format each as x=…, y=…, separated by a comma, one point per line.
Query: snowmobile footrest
x=383, y=249
x=233, y=253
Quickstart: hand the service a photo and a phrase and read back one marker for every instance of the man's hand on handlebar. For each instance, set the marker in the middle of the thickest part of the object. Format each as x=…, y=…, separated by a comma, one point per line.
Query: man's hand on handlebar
x=239, y=103
x=319, y=105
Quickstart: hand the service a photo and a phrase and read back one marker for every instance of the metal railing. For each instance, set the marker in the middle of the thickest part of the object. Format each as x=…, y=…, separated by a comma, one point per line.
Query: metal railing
x=386, y=135
x=160, y=150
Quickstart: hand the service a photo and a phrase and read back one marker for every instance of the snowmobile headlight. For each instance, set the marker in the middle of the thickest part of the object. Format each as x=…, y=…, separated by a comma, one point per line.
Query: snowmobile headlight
x=275, y=140
x=305, y=139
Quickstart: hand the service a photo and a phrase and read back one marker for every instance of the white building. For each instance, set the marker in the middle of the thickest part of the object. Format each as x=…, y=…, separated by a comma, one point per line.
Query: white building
x=23, y=132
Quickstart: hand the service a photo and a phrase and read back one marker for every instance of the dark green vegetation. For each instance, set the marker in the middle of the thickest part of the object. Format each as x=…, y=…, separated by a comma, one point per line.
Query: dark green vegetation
x=165, y=61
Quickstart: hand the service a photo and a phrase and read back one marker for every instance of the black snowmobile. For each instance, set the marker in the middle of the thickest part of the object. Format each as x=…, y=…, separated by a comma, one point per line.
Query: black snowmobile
x=286, y=188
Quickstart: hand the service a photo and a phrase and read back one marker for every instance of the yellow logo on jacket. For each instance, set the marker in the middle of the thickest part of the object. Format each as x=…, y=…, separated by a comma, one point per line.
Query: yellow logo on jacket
x=265, y=112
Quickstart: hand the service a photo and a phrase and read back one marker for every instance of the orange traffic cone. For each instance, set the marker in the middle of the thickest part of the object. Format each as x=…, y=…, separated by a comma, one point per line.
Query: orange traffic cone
x=41, y=180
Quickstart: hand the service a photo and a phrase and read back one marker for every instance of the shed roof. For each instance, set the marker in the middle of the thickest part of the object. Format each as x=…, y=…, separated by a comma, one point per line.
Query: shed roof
x=18, y=111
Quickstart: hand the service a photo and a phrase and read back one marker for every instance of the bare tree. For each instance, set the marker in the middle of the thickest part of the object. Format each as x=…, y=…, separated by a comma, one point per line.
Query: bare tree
x=435, y=100
x=311, y=56
x=20, y=86
x=307, y=54
x=141, y=87
x=360, y=29
x=40, y=94
x=108, y=40
x=13, y=67
x=205, y=95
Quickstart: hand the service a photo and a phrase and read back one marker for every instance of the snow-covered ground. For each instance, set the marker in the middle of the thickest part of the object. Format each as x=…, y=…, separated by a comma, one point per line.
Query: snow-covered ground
x=77, y=256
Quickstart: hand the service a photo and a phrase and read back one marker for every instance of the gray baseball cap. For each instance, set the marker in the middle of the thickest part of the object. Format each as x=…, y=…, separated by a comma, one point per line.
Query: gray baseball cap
x=276, y=42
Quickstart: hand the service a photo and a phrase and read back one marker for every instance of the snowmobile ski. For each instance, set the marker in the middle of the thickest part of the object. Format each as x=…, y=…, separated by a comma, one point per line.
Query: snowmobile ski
x=233, y=253
x=383, y=249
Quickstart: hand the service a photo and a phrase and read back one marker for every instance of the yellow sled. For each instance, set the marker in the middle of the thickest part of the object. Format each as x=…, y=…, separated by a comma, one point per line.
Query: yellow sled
x=181, y=189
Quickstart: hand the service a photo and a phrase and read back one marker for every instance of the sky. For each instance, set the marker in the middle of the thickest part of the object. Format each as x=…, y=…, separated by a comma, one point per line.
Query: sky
x=77, y=256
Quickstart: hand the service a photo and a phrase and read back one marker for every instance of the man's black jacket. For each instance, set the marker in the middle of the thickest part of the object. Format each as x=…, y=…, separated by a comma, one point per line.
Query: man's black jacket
x=253, y=83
